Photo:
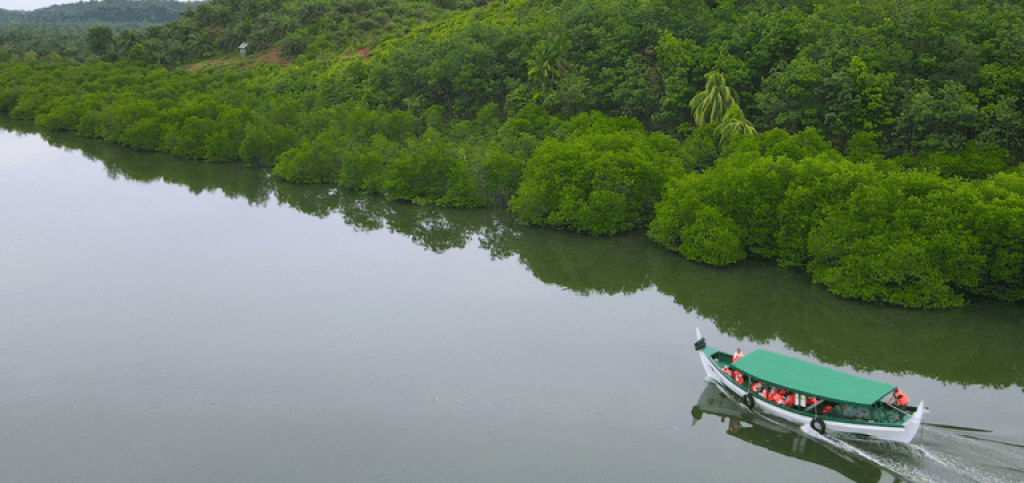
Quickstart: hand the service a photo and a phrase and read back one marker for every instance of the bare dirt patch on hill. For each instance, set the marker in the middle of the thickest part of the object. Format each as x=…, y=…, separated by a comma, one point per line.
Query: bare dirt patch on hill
x=272, y=56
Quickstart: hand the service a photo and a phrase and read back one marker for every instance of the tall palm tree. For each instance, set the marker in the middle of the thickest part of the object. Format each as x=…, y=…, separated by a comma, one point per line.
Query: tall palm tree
x=711, y=104
x=547, y=63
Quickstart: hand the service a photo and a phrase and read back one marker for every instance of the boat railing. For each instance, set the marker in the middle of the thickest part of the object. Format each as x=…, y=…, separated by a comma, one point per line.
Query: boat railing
x=899, y=410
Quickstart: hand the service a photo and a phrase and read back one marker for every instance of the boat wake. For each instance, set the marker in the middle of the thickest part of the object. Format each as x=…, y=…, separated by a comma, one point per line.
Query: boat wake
x=941, y=455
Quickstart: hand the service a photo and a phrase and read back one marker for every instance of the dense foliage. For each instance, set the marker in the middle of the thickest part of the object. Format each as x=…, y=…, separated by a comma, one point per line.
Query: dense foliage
x=100, y=12
x=910, y=238
x=603, y=177
x=64, y=30
x=309, y=27
x=887, y=163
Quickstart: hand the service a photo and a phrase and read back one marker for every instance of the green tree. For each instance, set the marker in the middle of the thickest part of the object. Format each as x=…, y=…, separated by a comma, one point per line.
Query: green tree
x=313, y=161
x=1000, y=224
x=944, y=121
x=904, y=240
x=264, y=142
x=711, y=104
x=147, y=134
x=676, y=61
x=712, y=238
x=547, y=63
x=745, y=188
x=433, y=170
x=100, y=41
x=597, y=181
x=189, y=140
x=733, y=123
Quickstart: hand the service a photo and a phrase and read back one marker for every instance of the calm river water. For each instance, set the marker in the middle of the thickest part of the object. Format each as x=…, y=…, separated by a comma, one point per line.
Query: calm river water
x=170, y=321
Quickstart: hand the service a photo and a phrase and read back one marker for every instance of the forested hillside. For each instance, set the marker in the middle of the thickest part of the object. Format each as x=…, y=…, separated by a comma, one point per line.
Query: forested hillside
x=106, y=12
x=876, y=145
x=62, y=30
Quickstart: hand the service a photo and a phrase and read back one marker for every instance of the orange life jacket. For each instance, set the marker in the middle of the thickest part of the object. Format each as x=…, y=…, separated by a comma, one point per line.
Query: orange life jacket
x=790, y=400
x=901, y=398
x=737, y=355
x=777, y=399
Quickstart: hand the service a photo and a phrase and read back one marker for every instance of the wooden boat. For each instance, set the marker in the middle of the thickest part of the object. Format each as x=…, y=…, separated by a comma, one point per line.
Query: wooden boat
x=820, y=400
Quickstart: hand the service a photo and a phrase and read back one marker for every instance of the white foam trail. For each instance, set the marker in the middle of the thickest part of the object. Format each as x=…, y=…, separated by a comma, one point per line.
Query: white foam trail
x=978, y=460
x=903, y=471
x=928, y=461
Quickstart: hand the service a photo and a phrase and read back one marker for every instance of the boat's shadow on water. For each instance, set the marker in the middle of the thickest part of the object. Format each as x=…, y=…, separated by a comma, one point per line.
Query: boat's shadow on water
x=937, y=454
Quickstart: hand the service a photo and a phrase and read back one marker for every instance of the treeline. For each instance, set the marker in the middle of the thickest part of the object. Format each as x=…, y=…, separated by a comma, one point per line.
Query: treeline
x=211, y=29
x=100, y=12
x=864, y=230
x=899, y=183
x=62, y=31
x=918, y=76
x=43, y=41
x=308, y=27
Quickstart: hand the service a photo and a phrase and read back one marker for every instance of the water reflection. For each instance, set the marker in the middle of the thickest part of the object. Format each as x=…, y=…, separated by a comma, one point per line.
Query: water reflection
x=233, y=180
x=752, y=300
x=779, y=438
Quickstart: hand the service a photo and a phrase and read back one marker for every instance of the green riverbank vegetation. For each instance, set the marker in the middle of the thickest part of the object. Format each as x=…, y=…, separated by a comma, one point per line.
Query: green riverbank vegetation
x=878, y=146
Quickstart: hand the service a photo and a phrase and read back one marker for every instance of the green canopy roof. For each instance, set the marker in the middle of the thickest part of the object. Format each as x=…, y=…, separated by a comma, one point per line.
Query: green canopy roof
x=811, y=379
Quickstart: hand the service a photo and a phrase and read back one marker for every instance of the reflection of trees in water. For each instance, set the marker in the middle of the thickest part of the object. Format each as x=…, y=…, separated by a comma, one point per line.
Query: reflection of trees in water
x=235, y=181
x=435, y=229
x=751, y=300
x=314, y=200
x=586, y=264
x=762, y=302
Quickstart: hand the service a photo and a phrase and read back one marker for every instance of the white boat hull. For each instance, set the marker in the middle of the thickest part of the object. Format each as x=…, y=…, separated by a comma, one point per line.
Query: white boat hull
x=899, y=434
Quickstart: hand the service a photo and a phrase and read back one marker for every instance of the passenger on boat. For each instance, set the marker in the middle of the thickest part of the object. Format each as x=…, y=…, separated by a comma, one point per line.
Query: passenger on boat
x=737, y=355
x=758, y=388
x=785, y=397
x=901, y=398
